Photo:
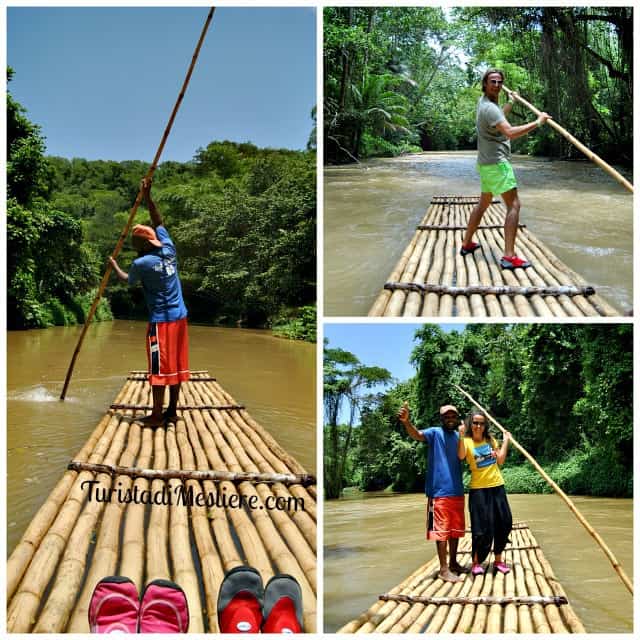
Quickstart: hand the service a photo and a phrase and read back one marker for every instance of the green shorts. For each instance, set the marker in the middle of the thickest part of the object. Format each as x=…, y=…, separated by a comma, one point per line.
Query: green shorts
x=496, y=178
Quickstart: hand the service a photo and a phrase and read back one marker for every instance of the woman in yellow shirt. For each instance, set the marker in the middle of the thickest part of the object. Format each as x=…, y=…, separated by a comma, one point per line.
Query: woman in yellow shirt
x=488, y=506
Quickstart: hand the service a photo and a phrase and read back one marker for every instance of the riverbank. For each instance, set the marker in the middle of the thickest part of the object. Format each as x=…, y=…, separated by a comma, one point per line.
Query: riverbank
x=373, y=542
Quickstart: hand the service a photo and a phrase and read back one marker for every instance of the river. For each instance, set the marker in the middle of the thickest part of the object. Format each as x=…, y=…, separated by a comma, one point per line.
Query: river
x=274, y=378
x=375, y=540
x=371, y=211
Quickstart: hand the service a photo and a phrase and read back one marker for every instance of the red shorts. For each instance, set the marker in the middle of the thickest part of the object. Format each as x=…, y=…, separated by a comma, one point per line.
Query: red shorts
x=168, y=352
x=445, y=518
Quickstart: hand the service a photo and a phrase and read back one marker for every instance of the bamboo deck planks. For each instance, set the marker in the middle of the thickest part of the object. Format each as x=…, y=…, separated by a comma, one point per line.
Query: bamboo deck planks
x=432, y=279
x=528, y=599
x=73, y=542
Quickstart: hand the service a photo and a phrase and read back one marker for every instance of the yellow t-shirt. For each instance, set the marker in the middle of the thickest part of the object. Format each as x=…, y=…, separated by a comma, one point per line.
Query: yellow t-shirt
x=485, y=472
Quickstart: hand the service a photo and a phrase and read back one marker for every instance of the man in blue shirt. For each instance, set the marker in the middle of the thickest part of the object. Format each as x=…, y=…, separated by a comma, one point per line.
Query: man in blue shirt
x=443, y=486
x=156, y=268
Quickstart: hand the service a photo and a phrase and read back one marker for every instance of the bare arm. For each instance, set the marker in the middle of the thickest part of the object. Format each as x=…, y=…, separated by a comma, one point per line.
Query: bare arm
x=412, y=432
x=513, y=132
x=502, y=453
x=462, y=449
x=156, y=218
x=506, y=108
x=123, y=275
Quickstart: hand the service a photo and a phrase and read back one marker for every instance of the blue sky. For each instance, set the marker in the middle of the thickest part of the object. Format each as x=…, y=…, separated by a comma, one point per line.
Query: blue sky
x=101, y=82
x=383, y=345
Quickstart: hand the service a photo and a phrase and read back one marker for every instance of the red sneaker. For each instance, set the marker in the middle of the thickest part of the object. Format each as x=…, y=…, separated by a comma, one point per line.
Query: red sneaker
x=240, y=601
x=466, y=249
x=114, y=606
x=282, y=605
x=513, y=262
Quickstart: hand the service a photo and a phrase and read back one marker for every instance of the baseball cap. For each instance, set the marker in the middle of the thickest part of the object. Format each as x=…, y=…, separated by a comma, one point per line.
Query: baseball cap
x=146, y=233
x=447, y=407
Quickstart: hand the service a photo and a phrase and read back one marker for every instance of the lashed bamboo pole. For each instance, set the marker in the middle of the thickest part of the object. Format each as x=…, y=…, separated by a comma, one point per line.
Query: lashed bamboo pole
x=215, y=476
x=210, y=562
x=489, y=600
x=576, y=143
x=444, y=290
x=136, y=204
x=184, y=572
x=133, y=542
x=576, y=512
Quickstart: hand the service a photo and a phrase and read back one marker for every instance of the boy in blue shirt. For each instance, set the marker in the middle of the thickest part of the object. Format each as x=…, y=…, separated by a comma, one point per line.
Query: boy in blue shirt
x=167, y=340
x=443, y=486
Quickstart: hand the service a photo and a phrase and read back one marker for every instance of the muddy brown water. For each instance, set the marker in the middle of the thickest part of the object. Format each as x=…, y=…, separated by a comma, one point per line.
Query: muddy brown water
x=371, y=212
x=274, y=378
x=373, y=541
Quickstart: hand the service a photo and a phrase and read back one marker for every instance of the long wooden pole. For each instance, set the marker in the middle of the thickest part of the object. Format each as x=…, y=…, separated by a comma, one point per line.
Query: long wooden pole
x=583, y=521
x=574, y=141
x=136, y=204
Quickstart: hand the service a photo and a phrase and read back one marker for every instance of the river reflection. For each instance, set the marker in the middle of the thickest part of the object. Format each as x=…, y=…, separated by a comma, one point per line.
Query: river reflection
x=374, y=541
x=272, y=377
x=371, y=212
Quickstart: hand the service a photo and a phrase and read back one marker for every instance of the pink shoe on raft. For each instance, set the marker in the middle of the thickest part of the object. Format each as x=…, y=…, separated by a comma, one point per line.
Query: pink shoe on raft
x=163, y=608
x=114, y=606
x=501, y=567
x=477, y=570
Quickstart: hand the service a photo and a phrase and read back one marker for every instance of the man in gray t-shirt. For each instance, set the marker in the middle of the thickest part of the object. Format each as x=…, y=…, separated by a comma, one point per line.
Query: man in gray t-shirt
x=494, y=166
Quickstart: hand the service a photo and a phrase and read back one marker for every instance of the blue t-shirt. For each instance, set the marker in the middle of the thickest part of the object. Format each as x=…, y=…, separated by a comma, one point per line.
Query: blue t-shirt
x=158, y=272
x=444, y=471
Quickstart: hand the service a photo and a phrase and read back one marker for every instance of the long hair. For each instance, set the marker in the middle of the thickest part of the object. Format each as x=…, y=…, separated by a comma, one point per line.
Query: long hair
x=486, y=434
x=486, y=75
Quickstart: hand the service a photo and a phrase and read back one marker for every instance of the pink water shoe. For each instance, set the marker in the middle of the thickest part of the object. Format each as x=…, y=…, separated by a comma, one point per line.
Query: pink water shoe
x=163, y=608
x=114, y=606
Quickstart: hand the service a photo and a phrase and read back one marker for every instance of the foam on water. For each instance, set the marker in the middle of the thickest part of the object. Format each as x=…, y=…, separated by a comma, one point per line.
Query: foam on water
x=33, y=394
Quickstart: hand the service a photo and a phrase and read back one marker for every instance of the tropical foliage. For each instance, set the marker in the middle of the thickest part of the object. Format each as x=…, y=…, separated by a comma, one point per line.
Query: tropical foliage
x=407, y=78
x=242, y=218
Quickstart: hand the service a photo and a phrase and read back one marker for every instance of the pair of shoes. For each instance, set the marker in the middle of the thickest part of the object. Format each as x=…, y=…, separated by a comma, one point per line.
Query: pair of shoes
x=513, y=262
x=116, y=608
x=244, y=606
x=501, y=567
x=477, y=570
x=466, y=249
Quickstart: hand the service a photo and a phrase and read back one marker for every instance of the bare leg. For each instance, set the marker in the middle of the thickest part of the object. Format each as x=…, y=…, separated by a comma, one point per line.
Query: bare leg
x=155, y=419
x=476, y=217
x=453, y=560
x=445, y=573
x=174, y=392
x=512, y=202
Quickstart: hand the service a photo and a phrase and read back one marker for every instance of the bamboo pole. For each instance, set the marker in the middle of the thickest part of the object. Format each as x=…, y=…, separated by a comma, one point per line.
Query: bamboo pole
x=192, y=474
x=136, y=204
x=490, y=600
x=575, y=142
x=583, y=521
x=484, y=290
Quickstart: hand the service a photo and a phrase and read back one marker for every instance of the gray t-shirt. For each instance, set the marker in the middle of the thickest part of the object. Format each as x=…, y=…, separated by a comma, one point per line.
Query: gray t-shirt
x=493, y=146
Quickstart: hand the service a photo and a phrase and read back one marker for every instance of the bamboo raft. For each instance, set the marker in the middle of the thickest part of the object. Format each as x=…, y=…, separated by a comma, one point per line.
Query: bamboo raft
x=214, y=449
x=529, y=599
x=433, y=279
